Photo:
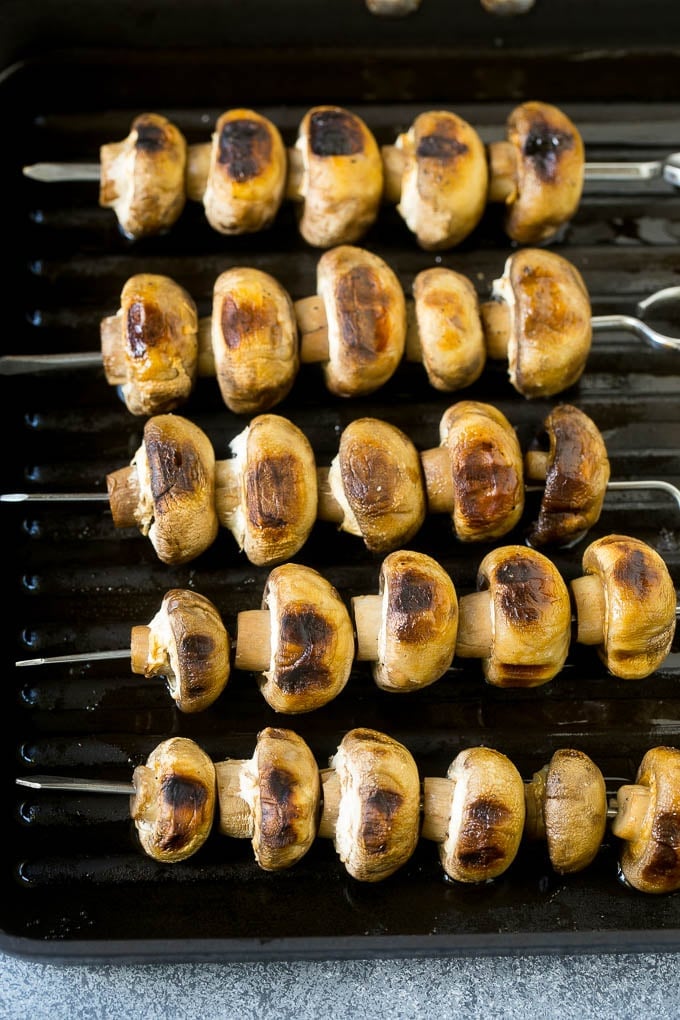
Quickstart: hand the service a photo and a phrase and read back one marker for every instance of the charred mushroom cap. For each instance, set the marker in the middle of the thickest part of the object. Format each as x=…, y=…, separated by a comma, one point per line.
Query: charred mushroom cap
x=174, y=800
x=254, y=340
x=312, y=640
x=366, y=315
x=487, y=816
x=486, y=469
x=342, y=178
x=153, y=354
x=449, y=328
x=377, y=480
x=246, y=175
x=378, y=820
x=575, y=480
x=550, y=329
x=650, y=860
x=445, y=180
x=142, y=177
x=639, y=605
x=187, y=642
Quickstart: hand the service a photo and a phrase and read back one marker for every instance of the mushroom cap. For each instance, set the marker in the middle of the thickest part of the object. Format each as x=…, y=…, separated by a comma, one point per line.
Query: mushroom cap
x=188, y=642
x=419, y=624
x=366, y=316
x=445, y=179
x=247, y=173
x=530, y=617
x=312, y=640
x=342, y=176
x=574, y=810
x=487, y=816
x=550, y=321
x=576, y=479
x=156, y=349
x=651, y=862
x=449, y=328
x=486, y=468
x=142, y=178
x=254, y=340
x=377, y=480
x=174, y=800
x=379, y=814
x=550, y=169
x=639, y=594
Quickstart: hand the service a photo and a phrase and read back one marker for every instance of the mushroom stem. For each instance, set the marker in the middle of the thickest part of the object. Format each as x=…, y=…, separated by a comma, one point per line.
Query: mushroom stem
x=113, y=349
x=438, y=480
x=124, y=496
x=437, y=798
x=589, y=599
x=328, y=507
x=475, y=633
x=330, y=789
x=253, y=640
x=413, y=347
x=394, y=163
x=367, y=611
x=206, y=358
x=295, y=175
x=227, y=489
x=236, y=817
x=496, y=325
x=534, y=799
x=198, y=166
x=139, y=648
x=536, y=465
x=502, y=172
x=312, y=323
x=632, y=804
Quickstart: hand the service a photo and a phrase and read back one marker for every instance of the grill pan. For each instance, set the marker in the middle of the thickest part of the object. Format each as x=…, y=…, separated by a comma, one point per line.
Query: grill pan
x=74, y=885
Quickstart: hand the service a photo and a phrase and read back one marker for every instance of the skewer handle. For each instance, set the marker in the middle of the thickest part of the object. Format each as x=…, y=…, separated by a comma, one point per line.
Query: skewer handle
x=16, y=364
x=51, y=173
x=72, y=784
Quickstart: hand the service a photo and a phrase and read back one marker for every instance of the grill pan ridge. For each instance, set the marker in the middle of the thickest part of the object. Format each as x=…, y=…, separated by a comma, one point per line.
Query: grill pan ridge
x=75, y=885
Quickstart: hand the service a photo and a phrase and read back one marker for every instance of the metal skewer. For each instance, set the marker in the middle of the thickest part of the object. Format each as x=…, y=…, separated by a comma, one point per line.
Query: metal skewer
x=54, y=497
x=71, y=784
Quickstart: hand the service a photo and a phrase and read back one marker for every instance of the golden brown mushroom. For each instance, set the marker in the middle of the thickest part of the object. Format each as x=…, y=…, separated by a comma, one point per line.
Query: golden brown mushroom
x=625, y=604
x=142, y=177
x=174, y=800
x=371, y=804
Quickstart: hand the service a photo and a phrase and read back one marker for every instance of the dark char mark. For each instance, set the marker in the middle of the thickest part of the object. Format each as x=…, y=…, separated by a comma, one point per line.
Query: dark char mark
x=544, y=146
x=184, y=800
x=440, y=147
x=145, y=327
x=520, y=588
x=306, y=637
x=150, y=137
x=277, y=803
x=244, y=148
x=335, y=133
x=379, y=810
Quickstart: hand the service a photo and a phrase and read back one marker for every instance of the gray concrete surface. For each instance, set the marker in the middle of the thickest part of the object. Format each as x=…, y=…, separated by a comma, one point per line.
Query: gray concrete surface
x=607, y=986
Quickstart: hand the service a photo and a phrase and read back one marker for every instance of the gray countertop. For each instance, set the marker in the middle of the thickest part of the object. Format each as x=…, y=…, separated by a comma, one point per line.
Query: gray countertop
x=607, y=986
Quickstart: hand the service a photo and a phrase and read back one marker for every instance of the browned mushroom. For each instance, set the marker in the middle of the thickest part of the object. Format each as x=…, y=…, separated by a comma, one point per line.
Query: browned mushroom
x=392, y=8
x=371, y=804
x=476, y=815
x=174, y=800
x=625, y=604
x=142, y=177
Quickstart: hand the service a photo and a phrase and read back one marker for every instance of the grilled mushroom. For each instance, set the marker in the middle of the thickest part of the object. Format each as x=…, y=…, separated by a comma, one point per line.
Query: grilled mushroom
x=519, y=620
x=142, y=177
x=540, y=320
x=272, y=798
x=336, y=173
x=538, y=172
x=186, y=642
x=625, y=604
x=174, y=800
x=476, y=815
x=409, y=630
x=448, y=338
x=575, y=471
x=371, y=804
x=566, y=805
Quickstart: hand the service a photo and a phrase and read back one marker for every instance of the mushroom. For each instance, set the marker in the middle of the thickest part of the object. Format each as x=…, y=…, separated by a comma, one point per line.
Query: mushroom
x=374, y=487
x=186, y=641
x=539, y=318
x=538, y=172
x=648, y=821
x=254, y=340
x=356, y=325
x=519, y=620
x=336, y=173
x=625, y=604
x=476, y=472
x=408, y=631
x=168, y=492
x=437, y=172
x=575, y=471
x=371, y=804
x=142, y=177
x=507, y=7
x=272, y=798
x=476, y=814
x=392, y=8
x=150, y=347
x=301, y=640
x=174, y=800
x=566, y=804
